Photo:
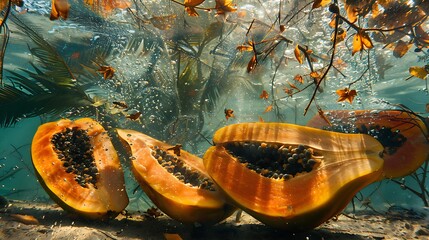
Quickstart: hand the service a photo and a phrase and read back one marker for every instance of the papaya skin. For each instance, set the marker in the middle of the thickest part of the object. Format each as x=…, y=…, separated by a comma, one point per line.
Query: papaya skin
x=179, y=201
x=104, y=202
x=350, y=162
x=409, y=157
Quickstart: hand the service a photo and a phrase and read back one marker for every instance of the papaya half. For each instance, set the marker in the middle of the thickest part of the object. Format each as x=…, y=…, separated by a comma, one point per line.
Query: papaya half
x=403, y=134
x=288, y=176
x=78, y=166
x=175, y=180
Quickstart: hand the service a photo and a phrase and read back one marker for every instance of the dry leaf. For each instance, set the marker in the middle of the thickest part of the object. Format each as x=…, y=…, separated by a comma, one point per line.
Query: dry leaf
x=346, y=95
x=322, y=115
x=134, y=116
x=246, y=48
x=268, y=109
x=224, y=6
x=314, y=75
x=288, y=91
x=298, y=55
x=105, y=7
x=293, y=86
x=260, y=119
x=120, y=105
x=252, y=63
x=401, y=48
x=59, y=8
x=320, y=3
x=26, y=219
x=107, y=72
x=299, y=78
x=229, y=113
x=190, y=7
x=176, y=149
x=418, y=72
x=264, y=95
x=361, y=41
x=352, y=12
x=421, y=36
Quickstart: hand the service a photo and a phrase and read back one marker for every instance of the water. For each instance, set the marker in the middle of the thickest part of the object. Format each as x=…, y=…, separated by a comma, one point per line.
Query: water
x=178, y=74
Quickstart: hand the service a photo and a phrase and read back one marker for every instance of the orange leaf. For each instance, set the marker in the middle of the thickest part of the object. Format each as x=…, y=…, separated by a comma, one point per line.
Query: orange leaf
x=260, y=119
x=105, y=7
x=252, y=63
x=107, y=72
x=346, y=95
x=293, y=86
x=401, y=48
x=246, y=48
x=229, y=113
x=299, y=78
x=352, y=12
x=264, y=95
x=314, y=75
x=418, y=72
x=268, y=108
x=320, y=3
x=288, y=91
x=190, y=7
x=323, y=116
x=361, y=41
x=59, y=8
x=298, y=55
x=224, y=6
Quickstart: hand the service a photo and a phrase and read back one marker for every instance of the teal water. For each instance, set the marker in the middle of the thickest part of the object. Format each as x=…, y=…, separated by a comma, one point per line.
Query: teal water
x=183, y=78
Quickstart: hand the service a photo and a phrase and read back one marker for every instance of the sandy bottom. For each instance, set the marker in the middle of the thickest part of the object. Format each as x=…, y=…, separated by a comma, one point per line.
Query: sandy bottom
x=51, y=222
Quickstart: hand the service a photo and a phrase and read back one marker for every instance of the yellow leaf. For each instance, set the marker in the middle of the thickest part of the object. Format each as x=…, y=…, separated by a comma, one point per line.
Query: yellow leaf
x=268, y=108
x=320, y=3
x=298, y=55
x=246, y=48
x=361, y=41
x=418, y=72
x=224, y=6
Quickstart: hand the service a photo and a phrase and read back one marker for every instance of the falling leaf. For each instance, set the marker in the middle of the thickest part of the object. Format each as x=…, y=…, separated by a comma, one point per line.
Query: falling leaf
x=26, y=219
x=299, y=78
x=314, y=75
x=163, y=22
x=229, y=113
x=269, y=108
x=293, y=86
x=176, y=149
x=107, y=72
x=224, y=6
x=320, y=3
x=244, y=48
x=120, y=105
x=59, y=8
x=361, y=41
x=418, y=72
x=260, y=119
x=298, y=55
x=346, y=95
x=341, y=35
x=252, y=63
x=134, y=116
x=401, y=48
x=288, y=91
x=264, y=95
x=190, y=7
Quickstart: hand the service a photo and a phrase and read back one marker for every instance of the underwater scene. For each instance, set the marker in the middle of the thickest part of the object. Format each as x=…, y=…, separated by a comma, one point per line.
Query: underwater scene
x=214, y=119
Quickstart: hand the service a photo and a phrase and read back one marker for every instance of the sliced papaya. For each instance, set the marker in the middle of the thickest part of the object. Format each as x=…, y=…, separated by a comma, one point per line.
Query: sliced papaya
x=289, y=176
x=175, y=180
x=79, y=168
x=403, y=134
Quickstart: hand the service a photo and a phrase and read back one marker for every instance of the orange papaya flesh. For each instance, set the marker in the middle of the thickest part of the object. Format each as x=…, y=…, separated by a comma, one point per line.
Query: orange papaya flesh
x=77, y=165
x=403, y=134
x=300, y=199
x=178, y=185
